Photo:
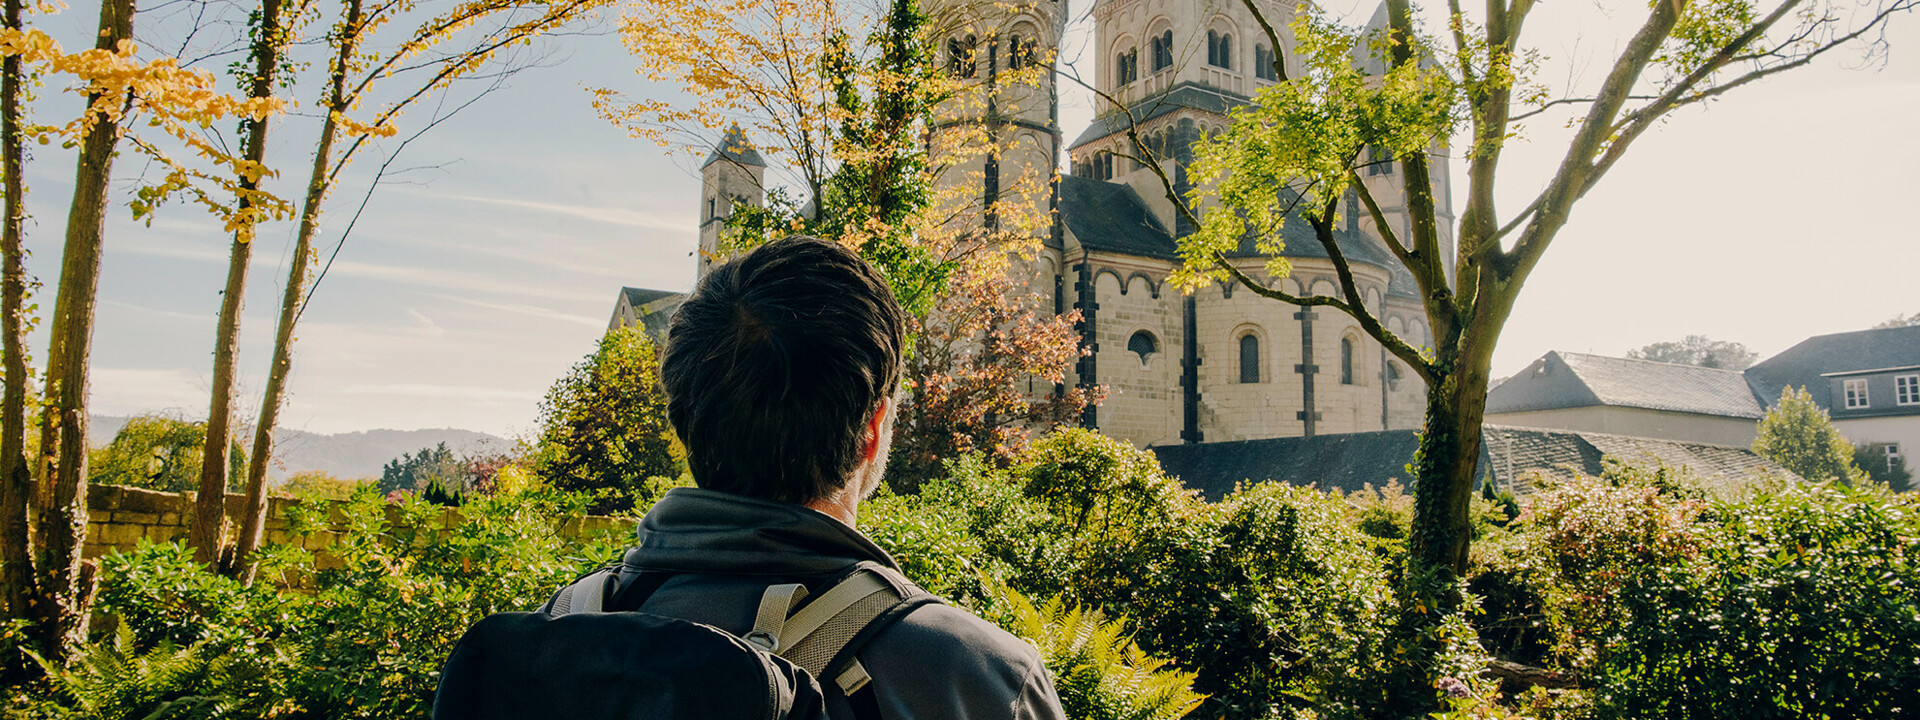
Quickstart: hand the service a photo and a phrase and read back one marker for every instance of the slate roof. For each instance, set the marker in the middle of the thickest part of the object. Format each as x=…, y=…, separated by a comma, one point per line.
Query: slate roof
x=1110, y=216
x=1569, y=380
x=637, y=298
x=1298, y=240
x=1508, y=456
x=1803, y=364
x=1513, y=454
x=735, y=146
x=1184, y=95
x=1348, y=462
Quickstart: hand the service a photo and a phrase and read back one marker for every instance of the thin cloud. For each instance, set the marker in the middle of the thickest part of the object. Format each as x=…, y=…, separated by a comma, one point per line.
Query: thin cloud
x=522, y=309
x=676, y=221
x=459, y=392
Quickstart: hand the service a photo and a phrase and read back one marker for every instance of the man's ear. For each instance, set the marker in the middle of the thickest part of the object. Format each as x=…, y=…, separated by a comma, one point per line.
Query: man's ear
x=870, y=442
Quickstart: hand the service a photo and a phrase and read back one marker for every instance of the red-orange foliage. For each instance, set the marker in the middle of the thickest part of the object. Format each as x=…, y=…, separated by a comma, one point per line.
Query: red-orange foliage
x=987, y=370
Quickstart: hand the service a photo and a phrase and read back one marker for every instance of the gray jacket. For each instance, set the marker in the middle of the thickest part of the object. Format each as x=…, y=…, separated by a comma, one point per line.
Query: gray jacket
x=937, y=662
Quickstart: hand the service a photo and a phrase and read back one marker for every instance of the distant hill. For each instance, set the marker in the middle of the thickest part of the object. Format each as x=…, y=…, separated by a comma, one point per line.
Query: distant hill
x=346, y=455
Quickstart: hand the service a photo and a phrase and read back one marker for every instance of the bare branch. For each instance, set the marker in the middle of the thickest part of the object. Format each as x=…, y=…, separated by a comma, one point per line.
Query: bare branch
x=1542, y=109
x=1380, y=221
x=1411, y=357
x=1279, y=63
x=1356, y=305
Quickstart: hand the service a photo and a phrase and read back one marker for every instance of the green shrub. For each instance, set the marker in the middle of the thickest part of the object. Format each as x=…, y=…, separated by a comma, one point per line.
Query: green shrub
x=1099, y=672
x=1805, y=603
x=357, y=630
x=160, y=595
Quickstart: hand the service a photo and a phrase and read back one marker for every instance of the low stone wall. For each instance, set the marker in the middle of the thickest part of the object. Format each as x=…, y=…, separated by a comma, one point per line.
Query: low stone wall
x=119, y=517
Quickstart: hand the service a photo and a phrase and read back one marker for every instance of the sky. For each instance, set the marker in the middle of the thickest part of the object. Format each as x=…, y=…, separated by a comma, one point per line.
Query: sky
x=489, y=259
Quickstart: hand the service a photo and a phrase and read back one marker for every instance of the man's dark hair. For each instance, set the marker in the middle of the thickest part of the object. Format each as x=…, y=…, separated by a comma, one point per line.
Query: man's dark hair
x=775, y=364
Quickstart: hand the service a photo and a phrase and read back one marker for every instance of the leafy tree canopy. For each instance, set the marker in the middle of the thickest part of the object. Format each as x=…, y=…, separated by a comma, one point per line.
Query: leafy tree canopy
x=418, y=471
x=1698, y=350
x=319, y=485
x=1797, y=434
x=1899, y=321
x=158, y=452
x=1881, y=467
x=603, y=426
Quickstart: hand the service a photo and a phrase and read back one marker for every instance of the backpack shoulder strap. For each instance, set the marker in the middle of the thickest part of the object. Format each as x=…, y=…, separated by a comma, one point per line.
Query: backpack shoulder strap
x=825, y=634
x=587, y=594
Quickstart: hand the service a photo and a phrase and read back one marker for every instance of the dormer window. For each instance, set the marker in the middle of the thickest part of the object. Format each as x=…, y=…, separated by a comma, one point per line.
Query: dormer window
x=960, y=56
x=1162, y=51
x=1906, y=390
x=1263, y=63
x=1856, y=393
x=1219, y=50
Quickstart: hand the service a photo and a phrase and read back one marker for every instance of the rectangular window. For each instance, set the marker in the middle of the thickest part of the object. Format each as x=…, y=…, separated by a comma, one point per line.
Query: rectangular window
x=1906, y=390
x=1856, y=391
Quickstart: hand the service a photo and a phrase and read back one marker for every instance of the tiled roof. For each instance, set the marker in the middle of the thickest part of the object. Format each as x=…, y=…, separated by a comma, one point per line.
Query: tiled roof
x=1804, y=363
x=1508, y=455
x=1569, y=380
x=1110, y=216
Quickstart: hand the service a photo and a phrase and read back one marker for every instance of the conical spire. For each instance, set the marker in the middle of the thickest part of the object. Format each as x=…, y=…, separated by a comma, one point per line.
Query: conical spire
x=735, y=147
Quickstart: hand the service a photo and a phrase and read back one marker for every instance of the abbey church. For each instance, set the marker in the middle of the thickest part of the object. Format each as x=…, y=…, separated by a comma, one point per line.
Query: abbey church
x=1222, y=364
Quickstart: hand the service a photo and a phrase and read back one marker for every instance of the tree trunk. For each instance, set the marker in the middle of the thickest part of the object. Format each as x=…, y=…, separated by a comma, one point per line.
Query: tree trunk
x=255, y=513
x=209, y=513
x=65, y=589
x=16, y=481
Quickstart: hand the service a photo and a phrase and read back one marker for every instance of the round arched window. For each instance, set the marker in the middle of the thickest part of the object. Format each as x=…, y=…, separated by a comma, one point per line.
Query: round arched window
x=1143, y=344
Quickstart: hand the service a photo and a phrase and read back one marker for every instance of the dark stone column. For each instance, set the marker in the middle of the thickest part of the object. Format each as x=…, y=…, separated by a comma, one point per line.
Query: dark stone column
x=1089, y=309
x=1190, y=374
x=1306, y=368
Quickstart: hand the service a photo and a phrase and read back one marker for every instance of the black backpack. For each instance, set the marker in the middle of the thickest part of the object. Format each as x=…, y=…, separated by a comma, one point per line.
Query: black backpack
x=587, y=655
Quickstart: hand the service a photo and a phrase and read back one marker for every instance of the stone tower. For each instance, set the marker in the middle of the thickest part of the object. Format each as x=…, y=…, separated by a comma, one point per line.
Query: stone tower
x=1007, y=124
x=733, y=174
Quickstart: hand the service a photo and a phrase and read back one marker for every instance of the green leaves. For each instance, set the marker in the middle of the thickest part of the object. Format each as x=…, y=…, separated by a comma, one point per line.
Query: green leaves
x=1797, y=434
x=1296, y=147
x=603, y=426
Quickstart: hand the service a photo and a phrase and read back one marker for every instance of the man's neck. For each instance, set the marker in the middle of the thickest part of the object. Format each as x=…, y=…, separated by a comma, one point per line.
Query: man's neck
x=842, y=506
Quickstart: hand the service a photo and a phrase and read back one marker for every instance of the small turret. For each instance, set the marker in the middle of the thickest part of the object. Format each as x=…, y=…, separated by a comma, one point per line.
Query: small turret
x=733, y=174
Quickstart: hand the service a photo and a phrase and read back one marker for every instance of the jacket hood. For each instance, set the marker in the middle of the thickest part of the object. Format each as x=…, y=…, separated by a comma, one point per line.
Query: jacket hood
x=707, y=531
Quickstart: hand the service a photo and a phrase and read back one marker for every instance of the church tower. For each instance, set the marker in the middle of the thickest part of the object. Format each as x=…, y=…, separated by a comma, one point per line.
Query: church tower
x=1005, y=124
x=733, y=174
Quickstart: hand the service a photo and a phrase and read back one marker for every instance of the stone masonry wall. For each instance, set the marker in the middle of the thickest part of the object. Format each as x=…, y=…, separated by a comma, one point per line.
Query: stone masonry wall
x=119, y=517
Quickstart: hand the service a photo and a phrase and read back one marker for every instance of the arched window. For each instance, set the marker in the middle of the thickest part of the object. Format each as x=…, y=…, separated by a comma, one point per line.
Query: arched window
x=1263, y=63
x=1346, y=361
x=1249, y=358
x=1143, y=344
x=960, y=56
x=1379, y=160
x=1126, y=67
x=1219, y=49
x=1021, y=51
x=1163, y=51
x=710, y=214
